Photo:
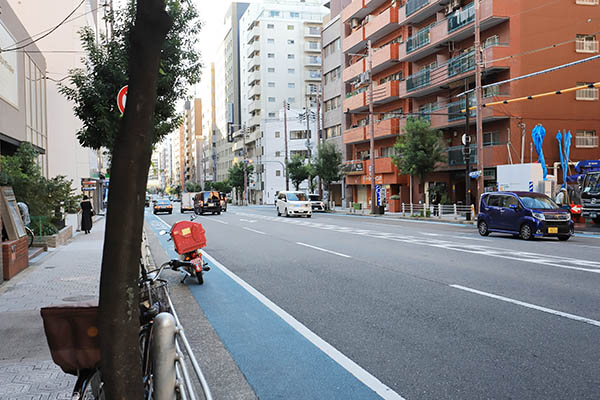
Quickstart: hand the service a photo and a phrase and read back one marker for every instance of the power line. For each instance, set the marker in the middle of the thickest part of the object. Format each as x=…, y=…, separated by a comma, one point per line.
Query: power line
x=46, y=34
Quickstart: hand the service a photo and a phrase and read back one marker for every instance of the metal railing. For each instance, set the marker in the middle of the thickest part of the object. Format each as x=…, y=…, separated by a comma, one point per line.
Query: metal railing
x=461, y=18
x=440, y=211
x=587, y=2
x=461, y=64
x=586, y=141
x=418, y=80
x=587, y=94
x=418, y=40
x=412, y=6
x=456, y=156
x=586, y=46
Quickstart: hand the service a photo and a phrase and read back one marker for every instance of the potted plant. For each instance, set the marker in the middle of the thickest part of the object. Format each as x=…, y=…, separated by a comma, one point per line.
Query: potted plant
x=395, y=205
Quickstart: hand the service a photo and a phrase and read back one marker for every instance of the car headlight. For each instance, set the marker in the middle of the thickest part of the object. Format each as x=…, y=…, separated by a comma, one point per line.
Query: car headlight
x=538, y=215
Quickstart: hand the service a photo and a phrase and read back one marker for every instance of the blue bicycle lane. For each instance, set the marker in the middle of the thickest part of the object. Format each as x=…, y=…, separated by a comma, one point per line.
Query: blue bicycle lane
x=280, y=358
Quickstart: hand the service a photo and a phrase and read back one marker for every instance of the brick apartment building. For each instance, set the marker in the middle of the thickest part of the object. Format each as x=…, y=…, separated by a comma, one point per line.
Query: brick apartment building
x=424, y=57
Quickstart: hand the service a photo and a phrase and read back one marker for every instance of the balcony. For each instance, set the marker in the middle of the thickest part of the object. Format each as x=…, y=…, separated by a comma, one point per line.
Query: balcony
x=456, y=156
x=586, y=46
x=354, y=70
x=499, y=52
x=456, y=27
x=385, y=57
x=253, y=121
x=254, y=105
x=353, y=167
x=253, y=77
x=356, y=102
x=415, y=11
x=312, y=32
x=253, y=48
x=313, y=76
x=355, y=135
x=456, y=117
x=312, y=61
x=461, y=64
x=355, y=41
x=253, y=34
x=383, y=24
x=419, y=80
x=312, y=47
x=586, y=141
x=388, y=127
x=386, y=92
x=254, y=91
x=237, y=146
x=383, y=165
x=354, y=10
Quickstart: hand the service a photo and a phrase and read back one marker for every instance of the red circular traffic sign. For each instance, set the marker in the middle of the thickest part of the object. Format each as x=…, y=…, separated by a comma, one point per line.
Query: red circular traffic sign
x=122, y=98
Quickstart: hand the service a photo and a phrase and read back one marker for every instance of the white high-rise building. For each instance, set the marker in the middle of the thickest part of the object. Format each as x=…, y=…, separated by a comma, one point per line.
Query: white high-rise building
x=280, y=52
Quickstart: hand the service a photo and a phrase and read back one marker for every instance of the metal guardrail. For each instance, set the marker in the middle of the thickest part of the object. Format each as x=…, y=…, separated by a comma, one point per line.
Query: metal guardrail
x=441, y=211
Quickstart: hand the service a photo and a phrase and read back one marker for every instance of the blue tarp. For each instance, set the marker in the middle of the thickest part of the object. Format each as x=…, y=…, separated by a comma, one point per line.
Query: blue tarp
x=564, y=157
x=538, y=134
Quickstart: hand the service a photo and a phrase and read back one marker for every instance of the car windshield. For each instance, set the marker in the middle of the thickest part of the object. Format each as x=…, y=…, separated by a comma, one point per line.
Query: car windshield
x=163, y=202
x=539, y=201
x=296, y=197
x=314, y=197
x=591, y=183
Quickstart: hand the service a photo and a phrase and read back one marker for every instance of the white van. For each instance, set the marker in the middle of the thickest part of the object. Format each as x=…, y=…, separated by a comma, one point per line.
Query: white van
x=293, y=203
x=187, y=202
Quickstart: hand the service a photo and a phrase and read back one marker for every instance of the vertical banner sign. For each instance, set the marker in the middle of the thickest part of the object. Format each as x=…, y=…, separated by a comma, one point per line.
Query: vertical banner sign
x=122, y=98
x=378, y=193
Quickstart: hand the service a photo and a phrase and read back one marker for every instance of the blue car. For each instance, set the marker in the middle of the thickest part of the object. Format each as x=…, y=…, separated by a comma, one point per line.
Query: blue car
x=523, y=214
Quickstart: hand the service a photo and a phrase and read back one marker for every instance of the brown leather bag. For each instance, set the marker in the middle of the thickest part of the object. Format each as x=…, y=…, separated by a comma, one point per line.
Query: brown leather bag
x=72, y=334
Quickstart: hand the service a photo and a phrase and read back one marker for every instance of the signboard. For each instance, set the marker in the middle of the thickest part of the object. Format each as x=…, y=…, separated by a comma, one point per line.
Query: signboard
x=122, y=98
x=11, y=216
x=366, y=179
x=353, y=168
x=9, y=82
x=88, y=186
x=378, y=194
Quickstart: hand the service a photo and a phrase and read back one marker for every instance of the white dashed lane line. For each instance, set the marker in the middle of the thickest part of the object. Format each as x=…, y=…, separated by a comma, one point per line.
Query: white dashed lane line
x=253, y=230
x=325, y=250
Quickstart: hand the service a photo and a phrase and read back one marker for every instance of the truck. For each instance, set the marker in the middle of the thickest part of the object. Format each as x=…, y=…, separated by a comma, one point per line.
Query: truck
x=590, y=196
x=187, y=201
x=525, y=177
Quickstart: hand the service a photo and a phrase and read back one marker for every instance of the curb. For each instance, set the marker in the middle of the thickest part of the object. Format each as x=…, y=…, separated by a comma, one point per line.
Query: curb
x=416, y=219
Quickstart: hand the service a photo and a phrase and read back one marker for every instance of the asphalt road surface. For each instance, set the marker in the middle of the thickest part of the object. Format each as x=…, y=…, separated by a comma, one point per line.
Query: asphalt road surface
x=362, y=307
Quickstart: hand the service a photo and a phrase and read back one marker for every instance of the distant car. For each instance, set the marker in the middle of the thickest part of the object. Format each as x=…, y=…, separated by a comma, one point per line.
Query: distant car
x=316, y=202
x=163, y=205
x=207, y=202
x=293, y=203
x=223, y=201
x=524, y=214
x=147, y=202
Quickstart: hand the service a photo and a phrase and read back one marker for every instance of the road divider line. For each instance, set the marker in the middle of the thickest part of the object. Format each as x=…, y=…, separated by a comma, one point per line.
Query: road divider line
x=212, y=219
x=325, y=250
x=529, y=305
x=356, y=370
x=163, y=221
x=253, y=230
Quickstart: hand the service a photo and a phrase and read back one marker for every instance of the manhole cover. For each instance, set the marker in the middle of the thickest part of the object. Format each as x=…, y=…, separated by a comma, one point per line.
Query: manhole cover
x=79, y=298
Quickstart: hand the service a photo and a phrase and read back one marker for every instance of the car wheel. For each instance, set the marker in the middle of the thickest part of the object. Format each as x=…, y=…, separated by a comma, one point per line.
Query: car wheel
x=154, y=212
x=285, y=213
x=564, y=237
x=218, y=212
x=525, y=232
x=200, y=278
x=482, y=226
x=278, y=213
x=309, y=216
x=181, y=210
x=596, y=220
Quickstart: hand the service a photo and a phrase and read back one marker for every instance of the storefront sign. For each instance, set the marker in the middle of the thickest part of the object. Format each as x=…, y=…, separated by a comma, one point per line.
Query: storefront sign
x=366, y=179
x=9, y=86
x=353, y=168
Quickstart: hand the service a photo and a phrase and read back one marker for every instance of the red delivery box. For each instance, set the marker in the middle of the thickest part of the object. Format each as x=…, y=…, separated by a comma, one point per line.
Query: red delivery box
x=188, y=236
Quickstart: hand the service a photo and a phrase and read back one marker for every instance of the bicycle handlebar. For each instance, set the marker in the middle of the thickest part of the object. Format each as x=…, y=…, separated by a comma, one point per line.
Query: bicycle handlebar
x=153, y=275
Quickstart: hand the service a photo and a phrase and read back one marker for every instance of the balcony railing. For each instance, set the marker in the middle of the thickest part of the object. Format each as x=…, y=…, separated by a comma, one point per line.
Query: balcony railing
x=461, y=64
x=456, y=156
x=586, y=46
x=418, y=40
x=587, y=94
x=418, y=80
x=587, y=2
x=413, y=6
x=455, y=109
x=461, y=18
x=586, y=141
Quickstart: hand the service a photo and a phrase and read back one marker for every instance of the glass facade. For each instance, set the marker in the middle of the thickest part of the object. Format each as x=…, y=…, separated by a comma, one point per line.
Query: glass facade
x=35, y=108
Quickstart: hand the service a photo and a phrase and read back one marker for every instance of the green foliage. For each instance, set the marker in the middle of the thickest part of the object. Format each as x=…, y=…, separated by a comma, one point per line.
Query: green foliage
x=193, y=187
x=395, y=197
x=41, y=226
x=223, y=187
x=93, y=88
x=236, y=175
x=43, y=196
x=328, y=163
x=297, y=170
x=311, y=170
x=419, y=149
x=208, y=185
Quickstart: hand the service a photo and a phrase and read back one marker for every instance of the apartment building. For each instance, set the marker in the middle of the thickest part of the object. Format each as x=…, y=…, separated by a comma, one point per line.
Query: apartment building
x=424, y=57
x=23, y=109
x=332, y=93
x=62, y=51
x=192, y=137
x=280, y=62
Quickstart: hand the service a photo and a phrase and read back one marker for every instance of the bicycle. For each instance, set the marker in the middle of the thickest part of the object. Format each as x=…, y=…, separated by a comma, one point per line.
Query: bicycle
x=30, y=236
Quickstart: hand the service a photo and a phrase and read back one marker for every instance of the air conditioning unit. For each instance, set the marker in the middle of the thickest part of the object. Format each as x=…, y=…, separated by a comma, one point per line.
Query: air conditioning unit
x=354, y=23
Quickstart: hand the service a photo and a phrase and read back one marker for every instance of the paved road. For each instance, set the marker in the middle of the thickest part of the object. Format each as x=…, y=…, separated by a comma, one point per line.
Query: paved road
x=425, y=311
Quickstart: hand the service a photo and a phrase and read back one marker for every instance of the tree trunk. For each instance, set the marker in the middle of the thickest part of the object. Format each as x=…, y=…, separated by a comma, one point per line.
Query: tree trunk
x=119, y=294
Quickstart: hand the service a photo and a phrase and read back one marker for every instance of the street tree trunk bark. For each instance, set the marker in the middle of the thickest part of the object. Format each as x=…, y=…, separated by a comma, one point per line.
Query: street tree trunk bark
x=119, y=294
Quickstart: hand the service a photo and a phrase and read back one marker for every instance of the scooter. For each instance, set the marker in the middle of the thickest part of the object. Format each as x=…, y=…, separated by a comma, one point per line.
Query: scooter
x=189, y=237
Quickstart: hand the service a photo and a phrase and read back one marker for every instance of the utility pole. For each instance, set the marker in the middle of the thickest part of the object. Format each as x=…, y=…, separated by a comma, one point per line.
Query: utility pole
x=244, y=162
x=371, y=129
x=319, y=136
x=285, y=140
x=522, y=126
x=467, y=153
x=479, y=120
x=307, y=116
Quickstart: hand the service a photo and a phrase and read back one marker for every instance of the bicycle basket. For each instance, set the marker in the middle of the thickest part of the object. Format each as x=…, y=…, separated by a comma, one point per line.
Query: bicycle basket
x=155, y=293
x=72, y=334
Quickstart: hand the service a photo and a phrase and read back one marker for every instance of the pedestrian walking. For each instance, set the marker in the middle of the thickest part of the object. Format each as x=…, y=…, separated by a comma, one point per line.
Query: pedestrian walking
x=86, y=214
x=562, y=198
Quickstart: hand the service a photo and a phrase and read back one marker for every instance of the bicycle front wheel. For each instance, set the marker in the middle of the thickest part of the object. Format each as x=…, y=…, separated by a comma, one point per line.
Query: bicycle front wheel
x=92, y=388
x=30, y=236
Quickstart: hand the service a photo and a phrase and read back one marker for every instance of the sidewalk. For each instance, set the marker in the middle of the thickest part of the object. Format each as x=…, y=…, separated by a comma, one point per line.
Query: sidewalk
x=69, y=273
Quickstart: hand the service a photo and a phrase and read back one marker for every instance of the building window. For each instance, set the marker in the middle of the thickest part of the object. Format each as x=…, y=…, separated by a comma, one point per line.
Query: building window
x=291, y=99
x=491, y=138
x=303, y=153
x=291, y=41
x=491, y=41
x=271, y=69
x=386, y=151
x=587, y=93
x=271, y=84
x=277, y=173
x=277, y=134
x=271, y=41
x=272, y=115
x=299, y=134
x=291, y=85
x=291, y=56
x=270, y=26
x=587, y=2
x=277, y=154
x=274, y=13
x=291, y=71
x=290, y=27
x=586, y=138
x=313, y=45
x=270, y=55
x=586, y=44
x=271, y=99
x=294, y=15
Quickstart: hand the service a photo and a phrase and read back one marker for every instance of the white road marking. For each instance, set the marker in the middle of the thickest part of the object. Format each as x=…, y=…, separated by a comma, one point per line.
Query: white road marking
x=470, y=238
x=585, y=245
x=253, y=230
x=325, y=250
x=366, y=378
x=163, y=221
x=430, y=234
x=247, y=220
x=213, y=219
x=529, y=305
